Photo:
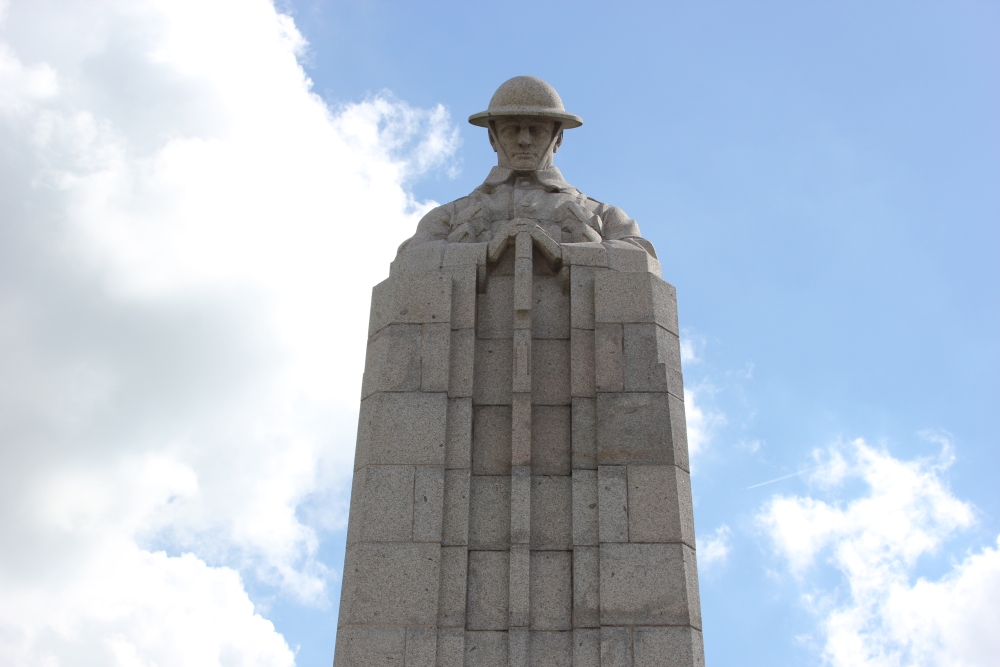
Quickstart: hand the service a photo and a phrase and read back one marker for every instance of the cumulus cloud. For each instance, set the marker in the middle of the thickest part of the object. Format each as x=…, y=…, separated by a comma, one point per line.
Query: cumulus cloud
x=188, y=238
x=880, y=615
x=714, y=548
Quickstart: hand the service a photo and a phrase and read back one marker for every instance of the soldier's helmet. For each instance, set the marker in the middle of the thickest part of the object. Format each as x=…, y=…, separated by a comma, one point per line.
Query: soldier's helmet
x=526, y=96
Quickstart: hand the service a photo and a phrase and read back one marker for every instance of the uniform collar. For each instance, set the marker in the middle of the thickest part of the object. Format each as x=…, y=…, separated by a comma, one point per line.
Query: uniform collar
x=551, y=179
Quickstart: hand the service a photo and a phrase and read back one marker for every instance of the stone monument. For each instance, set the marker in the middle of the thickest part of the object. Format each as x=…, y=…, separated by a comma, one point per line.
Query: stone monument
x=521, y=489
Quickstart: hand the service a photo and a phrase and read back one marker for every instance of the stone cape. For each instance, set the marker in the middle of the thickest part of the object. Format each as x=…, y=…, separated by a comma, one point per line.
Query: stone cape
x=521, y=489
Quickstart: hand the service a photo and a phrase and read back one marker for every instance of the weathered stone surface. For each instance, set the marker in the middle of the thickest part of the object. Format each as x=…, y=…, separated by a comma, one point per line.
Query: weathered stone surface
x=586, y=587
x=461, y=362
x=421, y=646
x=583, y=371
x=652, y=359
x=616, y=647
x=659, y=505
x=609, y=370
x=428, y=503
x=390, y=584
x=634, y=428
x=551, y=590
x=494, y=372
x=634, y=297
x=360, y=646
x=489, y=514
x=413, y=299
x=458, y=436
x=612, y=498
x=489, y=580
x=451, y=647
x=647, y=584
x=586, y=647
x=382, y=502
x=393, y=361
x=550, y=309
x=581, y=297
x=551, y=512
x=551, y=450
x=584, y=433
x=552, y=649
x=491, y=440
x=496, y=309
x=585, y=515
x=668, y=647
x=486, y=649
x=454, y=581
x=455, y=522
x=550, y=372
x=401, y=429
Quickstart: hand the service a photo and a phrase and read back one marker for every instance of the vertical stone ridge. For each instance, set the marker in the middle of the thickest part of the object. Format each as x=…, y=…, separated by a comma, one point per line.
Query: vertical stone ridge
x=519, y=600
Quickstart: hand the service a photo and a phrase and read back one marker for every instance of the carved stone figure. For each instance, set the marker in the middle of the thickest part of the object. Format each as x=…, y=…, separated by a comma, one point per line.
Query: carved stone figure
x=521, y=492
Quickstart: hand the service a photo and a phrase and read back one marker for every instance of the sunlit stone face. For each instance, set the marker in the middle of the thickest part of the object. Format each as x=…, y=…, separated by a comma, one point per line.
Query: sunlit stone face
x=525, y=142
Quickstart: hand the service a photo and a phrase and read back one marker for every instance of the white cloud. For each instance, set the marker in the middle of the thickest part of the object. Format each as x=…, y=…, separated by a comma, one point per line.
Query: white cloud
x=874, y=542
x=714, y=549
x=188, y=238
x=702, y=421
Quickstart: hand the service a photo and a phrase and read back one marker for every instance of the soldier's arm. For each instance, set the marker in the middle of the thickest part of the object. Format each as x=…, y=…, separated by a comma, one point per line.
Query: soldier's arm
x=619, y=227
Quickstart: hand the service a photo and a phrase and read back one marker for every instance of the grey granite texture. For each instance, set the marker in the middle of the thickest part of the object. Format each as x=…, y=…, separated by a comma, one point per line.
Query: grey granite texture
x=522, y=495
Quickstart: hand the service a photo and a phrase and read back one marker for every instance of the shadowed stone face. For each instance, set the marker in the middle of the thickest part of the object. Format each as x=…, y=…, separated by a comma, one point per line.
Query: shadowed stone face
x=524, y=143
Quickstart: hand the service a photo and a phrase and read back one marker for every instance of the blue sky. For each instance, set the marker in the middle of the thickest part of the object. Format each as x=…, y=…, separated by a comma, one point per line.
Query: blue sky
x=820, y=182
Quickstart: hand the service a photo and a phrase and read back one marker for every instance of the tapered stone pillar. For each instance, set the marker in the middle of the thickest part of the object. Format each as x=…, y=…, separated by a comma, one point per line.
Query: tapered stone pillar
x=521, y=489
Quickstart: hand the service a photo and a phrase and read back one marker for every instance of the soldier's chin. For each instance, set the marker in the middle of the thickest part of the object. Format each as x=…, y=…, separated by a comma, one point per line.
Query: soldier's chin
x=525, y=163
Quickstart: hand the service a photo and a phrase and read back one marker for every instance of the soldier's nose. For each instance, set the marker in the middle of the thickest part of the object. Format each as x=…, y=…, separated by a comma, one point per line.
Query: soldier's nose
x=524, y=137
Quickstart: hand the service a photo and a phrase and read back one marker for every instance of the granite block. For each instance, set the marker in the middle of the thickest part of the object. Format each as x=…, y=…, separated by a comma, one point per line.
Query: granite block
x=520, y=435
x=390, y=584
x=366, y=645
x=634, y=428
x=381, y=505
x=491, y=440
x=451, y=595
x=495, y=313
x=585, y=254
x=584, y=434
x=551, y=449
x=455, y=522
x=616, y=647
x=494, y=372
x=421, y=646
x=489, y=579
x=634, y=297
x=659, y=505
x=551, y=512
x=549, y=308
x=464, y=254
x=401, y=429
x=552, y=649
x=458, y=433
x=393, y=360
x=451, y=646
x=489, y=513
x=612, y=500
x=434, y=359
x=428, y=503
x=623, y=256
x=676, y=646
x=520, y=504
x=586, y=587
x=419, y=259
x=462, y=358
x=581, y=292
x=519, y=647
x=551, y=590
x=520, y=581
x=463, y=296
x=652, y=359
x=609, y=357
x=678, y=432
x=550, y=372
x=583, y=378
x=586, y=647
x=486, y=649
x=411, y=299
x=647, y=584
x=585, y=516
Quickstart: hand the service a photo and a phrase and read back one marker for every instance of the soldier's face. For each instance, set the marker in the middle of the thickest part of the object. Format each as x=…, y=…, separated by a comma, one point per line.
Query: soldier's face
x=525, y=142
